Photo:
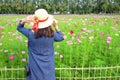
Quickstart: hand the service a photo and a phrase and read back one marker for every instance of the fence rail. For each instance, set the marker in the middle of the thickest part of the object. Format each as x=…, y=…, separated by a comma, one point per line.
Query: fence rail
x=83, y=73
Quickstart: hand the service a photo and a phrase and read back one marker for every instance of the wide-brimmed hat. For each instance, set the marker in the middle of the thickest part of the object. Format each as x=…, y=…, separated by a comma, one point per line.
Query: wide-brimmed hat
x=44, y=19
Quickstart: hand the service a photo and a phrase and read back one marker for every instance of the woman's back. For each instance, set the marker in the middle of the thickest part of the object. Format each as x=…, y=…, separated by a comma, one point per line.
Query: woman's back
x=41, y=40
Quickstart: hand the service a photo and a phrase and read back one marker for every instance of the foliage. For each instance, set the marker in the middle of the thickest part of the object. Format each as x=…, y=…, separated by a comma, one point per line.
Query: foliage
x=60, y=6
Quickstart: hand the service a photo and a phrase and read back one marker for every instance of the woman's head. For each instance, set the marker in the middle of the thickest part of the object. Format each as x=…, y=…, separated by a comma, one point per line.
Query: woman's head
x=42, y=24
x=43, y=19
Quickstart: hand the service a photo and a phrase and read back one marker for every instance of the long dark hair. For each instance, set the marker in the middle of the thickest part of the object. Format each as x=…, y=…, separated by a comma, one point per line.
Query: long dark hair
x=45, y=32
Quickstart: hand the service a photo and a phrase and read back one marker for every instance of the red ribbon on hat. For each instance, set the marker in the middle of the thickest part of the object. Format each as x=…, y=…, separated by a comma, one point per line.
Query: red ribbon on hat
x=35, y=26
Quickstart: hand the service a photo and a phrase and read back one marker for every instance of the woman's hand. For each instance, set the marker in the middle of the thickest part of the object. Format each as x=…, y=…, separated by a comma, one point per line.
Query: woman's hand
x=55, y=24
x=30, y=18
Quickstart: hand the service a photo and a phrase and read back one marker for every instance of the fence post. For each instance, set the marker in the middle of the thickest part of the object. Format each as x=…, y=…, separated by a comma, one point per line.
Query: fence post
x=5, y=72
x=82, y=73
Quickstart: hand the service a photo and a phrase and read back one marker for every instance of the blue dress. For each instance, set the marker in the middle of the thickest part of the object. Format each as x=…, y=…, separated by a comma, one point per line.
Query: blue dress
x=41, y=54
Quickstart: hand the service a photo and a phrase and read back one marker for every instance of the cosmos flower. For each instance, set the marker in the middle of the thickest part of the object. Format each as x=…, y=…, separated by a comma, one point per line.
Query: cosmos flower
x=83, y=29
x=23, y=59
x=56, y=53
x=64, y=37
x=23, y=52
x=108, y=42
x=69, y=42
x=5, y=51
x=91, y=38
x=11, y=57
x=89, y=31
x=61, y=56
x=109, y=38
x=1, y=28
x=71, y=32
x=101, y=34
x=0, y=44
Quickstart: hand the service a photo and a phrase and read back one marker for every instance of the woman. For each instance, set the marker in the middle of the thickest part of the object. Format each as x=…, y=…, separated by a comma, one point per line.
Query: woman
x=40, y=44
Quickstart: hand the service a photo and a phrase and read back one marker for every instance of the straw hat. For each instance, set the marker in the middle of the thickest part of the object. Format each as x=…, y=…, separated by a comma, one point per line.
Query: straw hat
x=44, y=19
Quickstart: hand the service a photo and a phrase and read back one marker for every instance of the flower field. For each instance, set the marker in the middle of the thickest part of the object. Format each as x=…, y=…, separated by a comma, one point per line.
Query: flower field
x=90, y=40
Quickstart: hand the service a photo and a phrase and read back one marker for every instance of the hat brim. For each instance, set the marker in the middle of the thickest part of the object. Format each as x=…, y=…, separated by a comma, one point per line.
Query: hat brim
x=46, y=23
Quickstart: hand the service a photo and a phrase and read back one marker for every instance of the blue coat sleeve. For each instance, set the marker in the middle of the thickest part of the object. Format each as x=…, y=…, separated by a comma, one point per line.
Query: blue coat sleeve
x=23, y=30
x=58, y=36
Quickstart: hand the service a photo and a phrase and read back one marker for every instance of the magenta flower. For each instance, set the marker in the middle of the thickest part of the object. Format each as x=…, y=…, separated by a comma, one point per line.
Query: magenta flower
x=11, y=57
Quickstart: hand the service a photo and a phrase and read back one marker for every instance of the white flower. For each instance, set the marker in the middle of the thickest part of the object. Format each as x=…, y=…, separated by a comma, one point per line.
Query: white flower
x=0, y=44
x=56, y=53
x=61, y=56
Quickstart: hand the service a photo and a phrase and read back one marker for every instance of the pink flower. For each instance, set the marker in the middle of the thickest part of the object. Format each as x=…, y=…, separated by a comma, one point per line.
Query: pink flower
x=1, y=28
x=109, y=38
x=11, y=57
x=0, y=44
x=101, y=34
x=23, y=59
x=69, y=42
x=23, y=52
x=83, y=29
x=108, y=42
x=91, y=38
x=64, y=37
x=78, y=37
x=89, y=31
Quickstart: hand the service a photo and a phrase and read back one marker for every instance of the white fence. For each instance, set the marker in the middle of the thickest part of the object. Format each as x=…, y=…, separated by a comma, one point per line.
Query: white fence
x=83, y=73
